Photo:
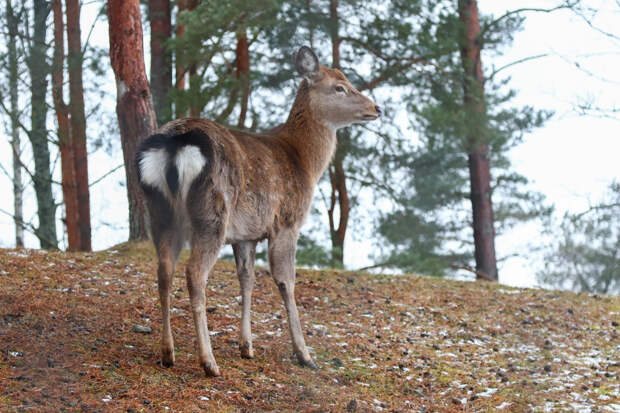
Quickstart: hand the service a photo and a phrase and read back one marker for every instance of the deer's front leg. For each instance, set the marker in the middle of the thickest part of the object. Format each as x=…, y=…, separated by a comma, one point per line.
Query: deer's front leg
x=282, y=263
x=245, y=253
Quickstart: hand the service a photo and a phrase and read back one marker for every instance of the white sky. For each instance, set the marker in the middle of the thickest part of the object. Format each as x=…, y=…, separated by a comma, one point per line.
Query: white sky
x=571, y=160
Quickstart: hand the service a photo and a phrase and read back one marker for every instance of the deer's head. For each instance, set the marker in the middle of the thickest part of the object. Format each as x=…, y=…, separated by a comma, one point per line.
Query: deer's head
x=332, y=98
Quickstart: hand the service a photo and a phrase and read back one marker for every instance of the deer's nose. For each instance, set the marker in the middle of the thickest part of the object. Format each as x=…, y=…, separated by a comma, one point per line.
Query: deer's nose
x=378, y=109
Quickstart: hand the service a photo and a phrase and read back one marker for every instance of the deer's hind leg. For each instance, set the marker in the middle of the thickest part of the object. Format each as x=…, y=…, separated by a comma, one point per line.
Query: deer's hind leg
x=168, y=241
x=208, y=235
x=245, y=253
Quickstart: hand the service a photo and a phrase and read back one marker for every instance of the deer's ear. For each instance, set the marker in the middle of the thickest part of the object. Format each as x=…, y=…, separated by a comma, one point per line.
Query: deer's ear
x=307, y=63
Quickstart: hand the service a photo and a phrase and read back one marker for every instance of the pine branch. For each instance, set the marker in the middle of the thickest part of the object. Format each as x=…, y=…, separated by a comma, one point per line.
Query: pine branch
x=105, y=175
x=578, y=216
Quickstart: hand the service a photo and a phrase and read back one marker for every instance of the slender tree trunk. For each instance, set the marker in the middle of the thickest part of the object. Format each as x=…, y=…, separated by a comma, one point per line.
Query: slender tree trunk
x=134, y=105
x=39, y=69
x=180, y=69
x=243, y=75
x=195, y=106
x=161, y=63
x=194, y=92
x=69, y=186
x=340, y=197
x=78, y=121
x=18, y=186
x=338, y=178
x=478, y=156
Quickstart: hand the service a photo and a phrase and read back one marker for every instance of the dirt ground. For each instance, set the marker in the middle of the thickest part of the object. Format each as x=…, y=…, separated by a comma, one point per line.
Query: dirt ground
x=74, y=336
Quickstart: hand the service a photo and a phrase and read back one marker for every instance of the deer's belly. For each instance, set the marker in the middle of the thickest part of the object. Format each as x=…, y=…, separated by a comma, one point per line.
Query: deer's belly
x=248, y=224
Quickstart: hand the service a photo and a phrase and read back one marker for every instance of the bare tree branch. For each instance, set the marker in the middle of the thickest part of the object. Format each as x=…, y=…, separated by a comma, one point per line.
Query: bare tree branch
x=27, y=226
x=105, y=175
x=516, y=62
x=567, y=4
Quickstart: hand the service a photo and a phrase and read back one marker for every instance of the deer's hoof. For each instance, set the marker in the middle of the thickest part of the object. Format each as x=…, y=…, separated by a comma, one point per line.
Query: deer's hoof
x=167, y=358
x=247, y=352
x=211, y=370
x=309, y=363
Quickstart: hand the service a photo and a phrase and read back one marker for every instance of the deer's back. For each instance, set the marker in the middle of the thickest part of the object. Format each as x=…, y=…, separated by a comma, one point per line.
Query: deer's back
x=259, y=177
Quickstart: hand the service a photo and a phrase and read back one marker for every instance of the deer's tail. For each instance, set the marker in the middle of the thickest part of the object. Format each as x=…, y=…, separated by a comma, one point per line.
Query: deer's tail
x=170, y=164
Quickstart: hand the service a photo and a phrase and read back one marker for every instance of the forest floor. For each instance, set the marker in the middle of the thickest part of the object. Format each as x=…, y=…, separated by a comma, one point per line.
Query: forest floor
x=68, y=342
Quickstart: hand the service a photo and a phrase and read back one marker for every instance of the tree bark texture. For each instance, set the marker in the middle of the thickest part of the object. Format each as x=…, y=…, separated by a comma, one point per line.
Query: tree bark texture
x=195, y=105
x=180, y=69
x=78, y=121
x=478, y=156
x=243, y=75
x=38, y=67
x=18, y=186
x=67, y=163
x=340, y=197
x=134, y=106
x=161, y=62
x=337, y=175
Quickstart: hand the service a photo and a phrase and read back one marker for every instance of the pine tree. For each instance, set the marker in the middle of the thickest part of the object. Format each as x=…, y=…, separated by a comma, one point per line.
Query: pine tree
x=65, y=143
x=78, y=120
x=467, y=128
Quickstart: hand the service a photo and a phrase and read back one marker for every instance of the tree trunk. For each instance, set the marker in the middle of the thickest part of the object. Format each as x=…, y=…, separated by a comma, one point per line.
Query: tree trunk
x=78, y=121
x=195, y=106
x=69, y=187
x=18, y=186
x=161, y=63
x=38, y=67
x=478, y=156
x=180, y=69
x=339, y=196
x=134, y=106
x=243, y=75
x=338, y=178
x=194, y=92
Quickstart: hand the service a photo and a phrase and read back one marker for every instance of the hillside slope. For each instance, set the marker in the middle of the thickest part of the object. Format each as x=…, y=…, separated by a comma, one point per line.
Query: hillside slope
x=67, y=342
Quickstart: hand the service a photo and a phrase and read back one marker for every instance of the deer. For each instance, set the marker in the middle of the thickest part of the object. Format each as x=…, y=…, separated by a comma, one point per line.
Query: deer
x=208, y=185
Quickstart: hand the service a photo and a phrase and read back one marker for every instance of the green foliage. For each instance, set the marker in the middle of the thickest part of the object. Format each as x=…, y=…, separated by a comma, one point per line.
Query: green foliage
x=207, y=51
x=585, y=254
x=430, y=228
x=311, y=254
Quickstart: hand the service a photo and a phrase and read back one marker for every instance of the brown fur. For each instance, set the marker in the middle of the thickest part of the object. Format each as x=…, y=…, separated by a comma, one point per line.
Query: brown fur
x=256, y=186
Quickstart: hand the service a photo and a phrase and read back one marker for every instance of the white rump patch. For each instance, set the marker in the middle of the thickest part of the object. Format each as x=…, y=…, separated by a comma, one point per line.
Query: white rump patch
x=153, y=169
x=189, y=162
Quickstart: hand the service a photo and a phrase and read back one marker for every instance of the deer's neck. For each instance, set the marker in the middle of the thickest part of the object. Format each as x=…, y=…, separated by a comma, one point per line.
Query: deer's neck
x=313, y=138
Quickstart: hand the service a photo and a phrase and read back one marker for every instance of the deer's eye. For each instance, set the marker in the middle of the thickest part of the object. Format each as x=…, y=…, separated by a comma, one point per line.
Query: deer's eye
x=339, y=89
